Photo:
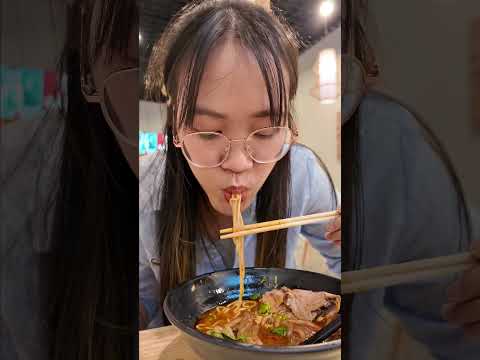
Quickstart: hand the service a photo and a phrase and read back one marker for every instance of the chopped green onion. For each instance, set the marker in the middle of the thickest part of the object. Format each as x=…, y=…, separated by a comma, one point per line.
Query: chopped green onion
x=281, y=331
x=255, y=296
x=215, y=334
x=227, y=336
x=242, y=338
x=264, y=309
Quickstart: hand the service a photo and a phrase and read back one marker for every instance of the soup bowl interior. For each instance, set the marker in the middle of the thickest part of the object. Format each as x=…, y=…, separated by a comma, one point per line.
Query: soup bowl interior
x=184, y=304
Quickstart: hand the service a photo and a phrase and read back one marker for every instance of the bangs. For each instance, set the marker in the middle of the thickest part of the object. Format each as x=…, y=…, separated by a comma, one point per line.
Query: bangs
x=188, y=46
x=107, y=24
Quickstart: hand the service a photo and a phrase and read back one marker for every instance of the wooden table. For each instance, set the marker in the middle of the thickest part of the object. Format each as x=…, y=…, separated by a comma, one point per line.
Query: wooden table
x=164, y=343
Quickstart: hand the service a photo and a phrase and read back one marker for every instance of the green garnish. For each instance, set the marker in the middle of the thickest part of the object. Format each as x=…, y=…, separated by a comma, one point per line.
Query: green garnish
x=215, y=334
x=255, y=296
x=281, y=331
x=242, y=338
x=264, y=309
x=281, y=317
x=227, y=337
x=263, y=279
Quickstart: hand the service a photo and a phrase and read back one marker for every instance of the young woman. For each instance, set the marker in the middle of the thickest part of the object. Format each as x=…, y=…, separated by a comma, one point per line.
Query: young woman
x=404, y=203
x=228, y=71
x=70, y=266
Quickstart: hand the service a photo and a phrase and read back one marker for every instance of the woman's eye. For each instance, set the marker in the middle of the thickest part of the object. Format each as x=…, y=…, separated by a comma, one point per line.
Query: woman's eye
x=265, y=134
x=262, y=135
x=208, y=136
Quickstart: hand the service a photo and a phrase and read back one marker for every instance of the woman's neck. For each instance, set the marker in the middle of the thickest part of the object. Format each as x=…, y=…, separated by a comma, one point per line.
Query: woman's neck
x=214, y=221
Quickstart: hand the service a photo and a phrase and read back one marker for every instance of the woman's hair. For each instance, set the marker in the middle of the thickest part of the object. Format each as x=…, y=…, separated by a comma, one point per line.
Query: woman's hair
x=176, y=65
x=355, y=43
x=93, y=275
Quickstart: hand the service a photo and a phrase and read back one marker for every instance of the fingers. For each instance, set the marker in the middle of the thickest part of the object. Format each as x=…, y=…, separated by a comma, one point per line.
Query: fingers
x=466, y=313
x=335, y=235
x=334, y=230
x=467, y=287
x=463, y=296
x=476, y=249
x=334, y=225
x=472, y=330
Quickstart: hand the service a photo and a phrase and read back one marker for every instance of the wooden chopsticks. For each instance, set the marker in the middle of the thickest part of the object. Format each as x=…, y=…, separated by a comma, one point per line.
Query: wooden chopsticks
x=408, y=272
x=278, y=224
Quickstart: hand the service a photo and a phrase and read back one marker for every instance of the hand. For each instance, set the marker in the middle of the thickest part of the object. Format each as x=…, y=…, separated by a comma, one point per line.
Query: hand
x=334, y=231
x=142, y=317
x=463, y=307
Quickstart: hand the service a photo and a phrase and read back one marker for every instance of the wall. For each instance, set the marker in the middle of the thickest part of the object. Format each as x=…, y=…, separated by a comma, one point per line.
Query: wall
x=32, y=33
x=152, y=116
x=318, y=122
x=424, y=50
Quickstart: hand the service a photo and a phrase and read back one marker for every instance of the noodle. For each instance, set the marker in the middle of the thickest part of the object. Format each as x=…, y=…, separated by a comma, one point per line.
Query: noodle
x=264, y=321
x=280, y=317
x=235, y=203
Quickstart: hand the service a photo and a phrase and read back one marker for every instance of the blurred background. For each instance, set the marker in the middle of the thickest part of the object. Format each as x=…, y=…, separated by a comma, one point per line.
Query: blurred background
x=428, y=53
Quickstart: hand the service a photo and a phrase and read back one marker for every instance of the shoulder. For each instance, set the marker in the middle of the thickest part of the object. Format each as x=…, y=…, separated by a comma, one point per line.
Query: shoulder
x=301, y=155
x=381, y=114
x=305, y=163
x=310, y=180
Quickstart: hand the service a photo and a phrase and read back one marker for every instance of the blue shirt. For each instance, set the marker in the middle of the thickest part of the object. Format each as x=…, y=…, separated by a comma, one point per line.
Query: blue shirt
x=410, y=213
x=311, y=192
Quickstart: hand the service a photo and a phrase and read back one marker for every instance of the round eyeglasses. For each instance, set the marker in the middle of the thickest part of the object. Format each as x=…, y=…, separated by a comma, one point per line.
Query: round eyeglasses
x=118, y=98
x=207, y=149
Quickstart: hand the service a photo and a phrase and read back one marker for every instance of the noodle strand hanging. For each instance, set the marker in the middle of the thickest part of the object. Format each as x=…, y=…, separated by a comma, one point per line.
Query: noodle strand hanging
x=235, y=203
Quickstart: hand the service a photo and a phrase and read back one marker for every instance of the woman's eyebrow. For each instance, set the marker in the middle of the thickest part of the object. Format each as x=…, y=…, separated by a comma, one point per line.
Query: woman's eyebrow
x=261, y=114
x=200, y=110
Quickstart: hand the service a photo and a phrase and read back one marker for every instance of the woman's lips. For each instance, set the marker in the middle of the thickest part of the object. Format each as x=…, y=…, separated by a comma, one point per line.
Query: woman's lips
x=232, y=190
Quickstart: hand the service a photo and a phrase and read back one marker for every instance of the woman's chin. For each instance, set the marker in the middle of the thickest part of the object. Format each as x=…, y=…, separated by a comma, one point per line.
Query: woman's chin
x=223, y=207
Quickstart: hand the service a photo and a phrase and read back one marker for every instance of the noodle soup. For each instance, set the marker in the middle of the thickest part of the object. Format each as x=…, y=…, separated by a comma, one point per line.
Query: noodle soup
x=280, y=317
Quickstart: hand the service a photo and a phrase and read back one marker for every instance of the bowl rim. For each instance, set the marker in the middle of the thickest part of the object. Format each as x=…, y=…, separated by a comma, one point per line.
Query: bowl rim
x=292, y=349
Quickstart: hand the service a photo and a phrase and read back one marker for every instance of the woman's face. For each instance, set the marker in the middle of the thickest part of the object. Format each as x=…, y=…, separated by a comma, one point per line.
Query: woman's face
x=232, y=100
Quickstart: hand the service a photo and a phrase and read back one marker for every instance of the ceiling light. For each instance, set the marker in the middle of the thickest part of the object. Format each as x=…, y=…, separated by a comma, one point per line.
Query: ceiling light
x=326, y=8
x=327, y=73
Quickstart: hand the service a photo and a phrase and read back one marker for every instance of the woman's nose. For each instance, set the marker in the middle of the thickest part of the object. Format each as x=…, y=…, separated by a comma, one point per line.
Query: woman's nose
x=238, y=159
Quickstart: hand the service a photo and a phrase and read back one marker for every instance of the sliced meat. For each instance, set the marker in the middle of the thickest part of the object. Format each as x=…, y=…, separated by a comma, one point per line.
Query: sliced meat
x=249, y=328
x=274, y=298
x=308, y=305
x=301, y=330
x=325, y=314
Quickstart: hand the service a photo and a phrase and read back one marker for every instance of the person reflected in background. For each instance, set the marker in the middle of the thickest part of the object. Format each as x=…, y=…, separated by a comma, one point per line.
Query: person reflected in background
x=228, y=72
x=71, y=276
x=404, y=203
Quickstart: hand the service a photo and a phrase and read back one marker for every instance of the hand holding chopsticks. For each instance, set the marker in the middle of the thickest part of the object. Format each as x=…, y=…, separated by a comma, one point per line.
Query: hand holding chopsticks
x=278, y=224
x=408, y=272
x=463, y=298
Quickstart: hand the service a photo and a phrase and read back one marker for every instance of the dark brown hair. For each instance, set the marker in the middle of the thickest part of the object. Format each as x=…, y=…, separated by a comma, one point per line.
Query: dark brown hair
x=94, y=271
x=177, y=63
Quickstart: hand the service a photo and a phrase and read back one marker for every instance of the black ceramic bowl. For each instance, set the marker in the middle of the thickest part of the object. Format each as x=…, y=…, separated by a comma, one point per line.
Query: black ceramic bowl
x=184, y=304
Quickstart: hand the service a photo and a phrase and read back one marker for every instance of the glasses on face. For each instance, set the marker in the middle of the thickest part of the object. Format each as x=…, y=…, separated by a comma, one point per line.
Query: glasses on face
x=118, y=98
x=211, y=149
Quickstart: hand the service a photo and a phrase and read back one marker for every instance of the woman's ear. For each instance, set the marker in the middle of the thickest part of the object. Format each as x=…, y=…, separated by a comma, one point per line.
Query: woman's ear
x=176, y=141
